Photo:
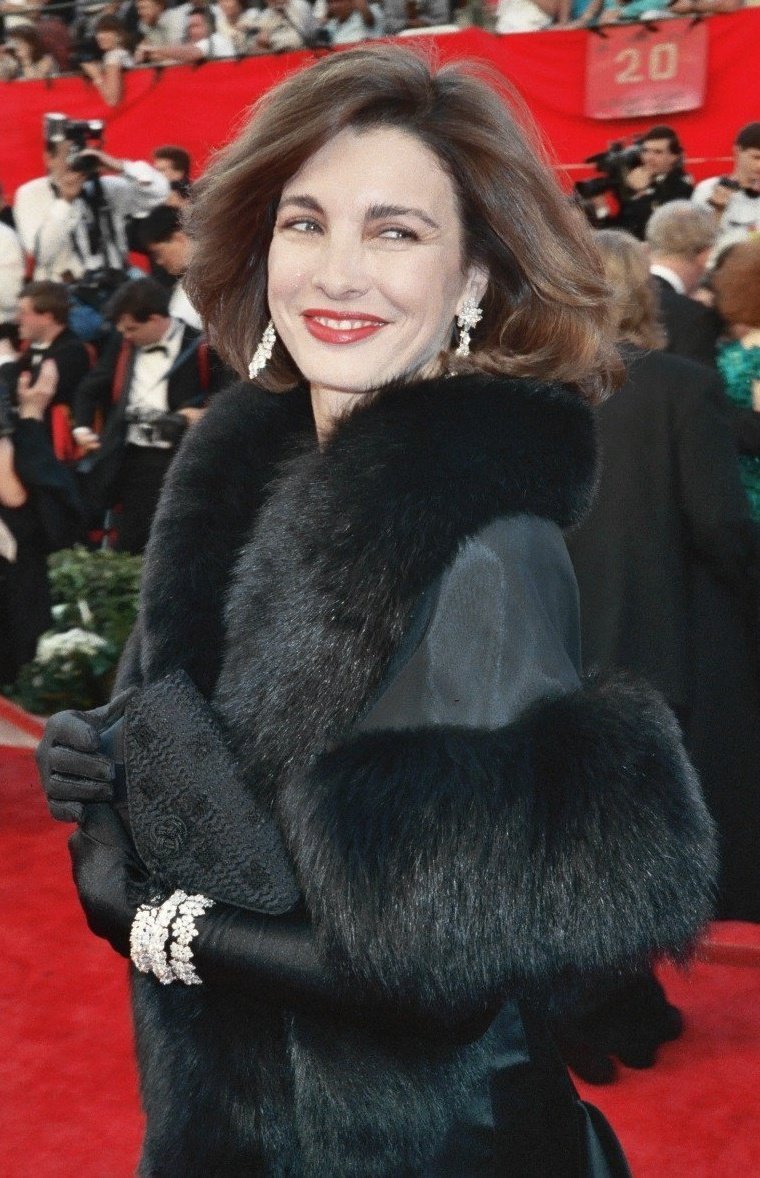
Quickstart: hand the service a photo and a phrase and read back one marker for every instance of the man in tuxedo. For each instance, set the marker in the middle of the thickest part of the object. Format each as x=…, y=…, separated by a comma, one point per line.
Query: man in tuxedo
x=680, y=235
x=43, y=319
x=151, y=383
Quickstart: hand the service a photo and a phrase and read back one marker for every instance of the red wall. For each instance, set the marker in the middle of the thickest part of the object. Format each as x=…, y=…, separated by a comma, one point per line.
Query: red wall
x=200, y=107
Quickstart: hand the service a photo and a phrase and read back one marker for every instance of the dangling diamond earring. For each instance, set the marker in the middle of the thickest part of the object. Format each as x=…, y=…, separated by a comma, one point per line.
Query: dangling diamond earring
x=263, y=353
x=467, y=319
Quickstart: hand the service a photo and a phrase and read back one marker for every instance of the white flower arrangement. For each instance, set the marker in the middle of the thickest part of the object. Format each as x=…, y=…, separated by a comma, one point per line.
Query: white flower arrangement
x=52, y=647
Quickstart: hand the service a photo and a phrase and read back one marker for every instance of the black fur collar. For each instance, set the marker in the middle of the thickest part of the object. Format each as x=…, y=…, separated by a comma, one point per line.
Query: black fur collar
x=327, y=551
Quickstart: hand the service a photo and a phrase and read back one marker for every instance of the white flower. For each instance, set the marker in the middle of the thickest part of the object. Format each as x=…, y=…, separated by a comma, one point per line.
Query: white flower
x=61, y=646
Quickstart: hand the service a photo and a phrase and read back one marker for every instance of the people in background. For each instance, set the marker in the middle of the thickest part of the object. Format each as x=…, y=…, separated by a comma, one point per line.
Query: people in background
x=238, y=22
x=43, y=318
x=11, y=271
x=667, y=564
x=284, y=25
x=151, y=383
x=414, y=14
x=734, y=199
x=348, y=21
x=659, y=178
x=75, y=226
x=106, y=75
x=23, y=55
x=680, y=236
x=201, y=42
x=168, y=245
x=736, y=283
x=40, y=512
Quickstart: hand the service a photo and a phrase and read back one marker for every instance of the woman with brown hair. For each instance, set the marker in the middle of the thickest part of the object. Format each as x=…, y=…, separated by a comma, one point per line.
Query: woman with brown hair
x=24, y=55
x=358, y=571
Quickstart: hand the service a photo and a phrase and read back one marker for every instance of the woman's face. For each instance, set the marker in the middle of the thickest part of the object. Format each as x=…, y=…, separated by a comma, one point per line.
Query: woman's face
x=365, y=265
x=107, y=39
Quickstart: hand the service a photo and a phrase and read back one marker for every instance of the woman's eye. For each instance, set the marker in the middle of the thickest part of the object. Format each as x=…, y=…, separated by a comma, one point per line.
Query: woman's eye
x=397, y=233
x=301, y=225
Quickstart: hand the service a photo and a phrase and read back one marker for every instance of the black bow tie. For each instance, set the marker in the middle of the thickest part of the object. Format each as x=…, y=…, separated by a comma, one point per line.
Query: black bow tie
x=155, y=348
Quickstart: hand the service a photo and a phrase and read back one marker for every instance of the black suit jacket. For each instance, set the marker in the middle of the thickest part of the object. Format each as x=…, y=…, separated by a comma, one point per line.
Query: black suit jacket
x=693, y=330
x=72, y=360
x=669, y=502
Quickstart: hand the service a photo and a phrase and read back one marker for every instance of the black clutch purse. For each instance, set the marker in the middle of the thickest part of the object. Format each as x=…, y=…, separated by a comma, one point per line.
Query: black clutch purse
x=194, y=822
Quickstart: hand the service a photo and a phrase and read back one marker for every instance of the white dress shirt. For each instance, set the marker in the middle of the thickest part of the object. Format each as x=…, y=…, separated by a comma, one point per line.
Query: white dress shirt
x=149, y=387
x=11, y=272
x=54, y=231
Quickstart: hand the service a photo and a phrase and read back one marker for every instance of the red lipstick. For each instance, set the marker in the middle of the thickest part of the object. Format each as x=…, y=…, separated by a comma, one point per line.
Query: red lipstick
x=341, y=327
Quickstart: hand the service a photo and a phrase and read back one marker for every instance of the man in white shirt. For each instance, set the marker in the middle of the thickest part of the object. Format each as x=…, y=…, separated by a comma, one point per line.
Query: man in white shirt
x=735, y=199
x=74, y=226
x=201, y=43
x=11, y=272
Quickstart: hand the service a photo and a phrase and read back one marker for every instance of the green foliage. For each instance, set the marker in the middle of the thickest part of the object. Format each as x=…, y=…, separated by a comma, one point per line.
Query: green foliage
x=94, y=608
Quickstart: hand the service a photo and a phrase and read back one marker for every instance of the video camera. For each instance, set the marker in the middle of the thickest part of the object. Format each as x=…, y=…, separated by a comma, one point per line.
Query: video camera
x=614, y=164
x=80, y=134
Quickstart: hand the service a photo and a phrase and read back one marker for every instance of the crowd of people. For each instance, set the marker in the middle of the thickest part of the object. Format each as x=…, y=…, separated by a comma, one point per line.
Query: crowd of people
x=102, y=38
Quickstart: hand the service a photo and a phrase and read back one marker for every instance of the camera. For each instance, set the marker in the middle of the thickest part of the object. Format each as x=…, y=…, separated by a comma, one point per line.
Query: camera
x=614, y=164
x=80, y=134
x=156, y=425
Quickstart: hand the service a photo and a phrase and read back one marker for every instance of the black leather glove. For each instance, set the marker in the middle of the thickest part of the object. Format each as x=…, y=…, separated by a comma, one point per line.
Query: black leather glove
x=275, y=958
x=629, y=1020
x=72, y=767
x=107, y=874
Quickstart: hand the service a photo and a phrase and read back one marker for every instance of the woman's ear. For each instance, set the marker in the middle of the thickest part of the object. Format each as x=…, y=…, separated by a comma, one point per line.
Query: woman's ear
x=475, y=288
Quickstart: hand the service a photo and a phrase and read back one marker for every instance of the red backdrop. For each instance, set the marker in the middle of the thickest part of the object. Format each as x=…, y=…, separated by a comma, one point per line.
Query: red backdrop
x=200, y=107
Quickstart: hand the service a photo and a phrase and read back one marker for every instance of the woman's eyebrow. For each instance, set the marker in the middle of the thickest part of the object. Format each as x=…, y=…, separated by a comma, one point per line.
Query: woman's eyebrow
x=379, y=211
x=301, y=202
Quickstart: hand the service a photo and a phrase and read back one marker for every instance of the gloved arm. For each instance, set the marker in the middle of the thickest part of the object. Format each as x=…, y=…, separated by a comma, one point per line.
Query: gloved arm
x=275, y=958
x=72, y=767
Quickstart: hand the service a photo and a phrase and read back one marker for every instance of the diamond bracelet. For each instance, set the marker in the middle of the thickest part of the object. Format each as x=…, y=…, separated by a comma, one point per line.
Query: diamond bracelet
x=151, y=929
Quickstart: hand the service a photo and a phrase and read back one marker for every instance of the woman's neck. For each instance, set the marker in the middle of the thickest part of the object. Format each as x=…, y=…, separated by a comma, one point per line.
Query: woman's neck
x=329, y=406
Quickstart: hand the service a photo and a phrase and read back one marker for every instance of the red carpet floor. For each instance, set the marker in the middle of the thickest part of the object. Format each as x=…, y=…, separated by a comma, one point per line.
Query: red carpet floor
x=68, y=1100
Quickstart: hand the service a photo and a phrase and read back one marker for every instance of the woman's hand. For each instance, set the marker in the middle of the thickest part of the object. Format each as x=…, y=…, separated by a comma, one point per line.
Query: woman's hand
x=73, y=769
x=106, y=869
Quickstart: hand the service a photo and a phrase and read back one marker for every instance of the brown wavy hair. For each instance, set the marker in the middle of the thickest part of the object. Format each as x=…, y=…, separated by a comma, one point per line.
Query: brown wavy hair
x=736, y=282
x=633, y=303
x=545, y=309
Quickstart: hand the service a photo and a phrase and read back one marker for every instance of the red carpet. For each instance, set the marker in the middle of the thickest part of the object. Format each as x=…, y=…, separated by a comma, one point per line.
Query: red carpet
x=68, y=1101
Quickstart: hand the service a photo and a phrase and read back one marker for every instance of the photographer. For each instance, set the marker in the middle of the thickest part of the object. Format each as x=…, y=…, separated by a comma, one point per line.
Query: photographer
x=735, y=199
x=73, y=221
x=658, y=178
x=151, y=383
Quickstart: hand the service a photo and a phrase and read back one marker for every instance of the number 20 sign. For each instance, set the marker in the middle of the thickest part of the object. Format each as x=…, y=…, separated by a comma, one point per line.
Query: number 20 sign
x=636, y=70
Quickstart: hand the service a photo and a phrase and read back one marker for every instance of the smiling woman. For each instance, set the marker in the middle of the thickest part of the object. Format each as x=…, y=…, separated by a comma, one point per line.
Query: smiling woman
x=358, y=563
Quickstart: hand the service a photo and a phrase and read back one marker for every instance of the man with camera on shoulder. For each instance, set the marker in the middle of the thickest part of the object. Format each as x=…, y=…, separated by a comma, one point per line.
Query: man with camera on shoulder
x=73, y=221
x=151, y=383
x=658, y=179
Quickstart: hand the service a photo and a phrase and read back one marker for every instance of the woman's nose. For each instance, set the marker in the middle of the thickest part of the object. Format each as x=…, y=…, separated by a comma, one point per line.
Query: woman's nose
x=340, y=269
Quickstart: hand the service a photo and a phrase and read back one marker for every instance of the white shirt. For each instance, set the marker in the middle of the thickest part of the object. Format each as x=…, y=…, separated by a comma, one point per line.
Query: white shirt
x=669, y=276
x=180, y=307
x=11, y=272
x=216, y=46
x=53, y=230
x=149, y=387
x=740, y=217
x=353, y=29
